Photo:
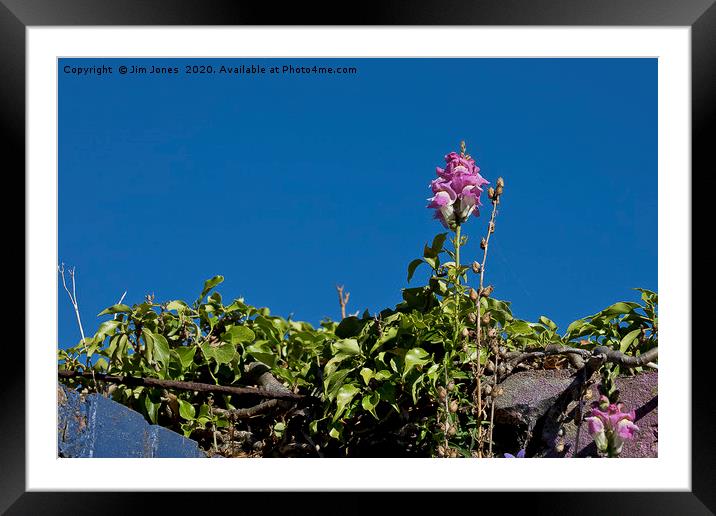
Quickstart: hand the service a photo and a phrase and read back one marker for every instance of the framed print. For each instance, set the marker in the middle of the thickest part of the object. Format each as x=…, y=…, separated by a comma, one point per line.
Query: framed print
x=269, y=243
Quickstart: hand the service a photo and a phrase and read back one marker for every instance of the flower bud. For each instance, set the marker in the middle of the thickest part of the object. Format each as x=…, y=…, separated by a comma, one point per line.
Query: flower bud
x=465, y=332
x=491, y=193
x=453, y=406
x=497, y=391
x=476, y=267
x=441, y=451
x=486, y=389
x=500, y=182
x=486, y=318
x=483, y=243
x=451, y=386
x=453, y=454
x=487, y=291
x=498, y=192
x=472, y=318
x=492, y=333
x=473, y=294
x=451, y=432
x=442, y=393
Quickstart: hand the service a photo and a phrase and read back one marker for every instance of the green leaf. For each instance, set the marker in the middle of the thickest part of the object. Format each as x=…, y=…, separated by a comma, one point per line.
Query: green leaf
x=186, y=410
x=347, y=346
x=618, y=309
x=208, y=285
x=436, y=247
x=262, y=352
x=345, y=394
x=576, y=325
x=412, y=266
x=114, y=309
x=177, y=305
x=415, y=357
x=349, y=327
x=108, y=327
x=334, y=381
x=186, y=355
x=336, y=430
x=222, y=353
x=149, y=342
x=369, y=402
x=548, y=322
x=367, y=374
x=238, y=334
x=518, y=327
x=628, y=339
x=388, y=335
x=161, y=348
x=152, y=409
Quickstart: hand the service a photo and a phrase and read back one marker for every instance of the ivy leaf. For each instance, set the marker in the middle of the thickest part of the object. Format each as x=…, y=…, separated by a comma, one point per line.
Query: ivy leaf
x=208, y=285
x=186, y=356
x=366, y=374
x=369, y=402
x=115, y=309
x=186, y=410
x=108, y=327
x=415, y=357
x=152, y=409
x=161, y=348
x=345, y=394
x=618, y=309
x=347, y=346
x=238, y=334
x=177, y=305
x=263, y=353
x=222, y=353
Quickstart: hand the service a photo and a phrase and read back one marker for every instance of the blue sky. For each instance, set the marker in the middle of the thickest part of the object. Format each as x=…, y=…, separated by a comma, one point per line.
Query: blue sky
x=289, y=184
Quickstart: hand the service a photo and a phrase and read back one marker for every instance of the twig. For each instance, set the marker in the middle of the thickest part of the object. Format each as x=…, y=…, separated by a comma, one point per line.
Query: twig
x=343, y=299
x=73, y=299
x=185, y=385
x=244, y=413
x=609, y=355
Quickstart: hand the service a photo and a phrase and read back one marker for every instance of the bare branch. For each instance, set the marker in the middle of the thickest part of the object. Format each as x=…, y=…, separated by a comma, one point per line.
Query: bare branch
x=580, y=355
x=343, y=299
x=186, y=386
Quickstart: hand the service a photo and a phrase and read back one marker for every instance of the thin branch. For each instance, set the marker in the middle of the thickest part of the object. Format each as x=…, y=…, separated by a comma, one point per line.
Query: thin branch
x=608, y=355
x=245, y=413
x=342, y=299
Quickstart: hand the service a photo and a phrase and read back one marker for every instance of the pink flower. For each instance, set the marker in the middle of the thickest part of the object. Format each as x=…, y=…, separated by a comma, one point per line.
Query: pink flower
x=456, y=191
x=609, y=426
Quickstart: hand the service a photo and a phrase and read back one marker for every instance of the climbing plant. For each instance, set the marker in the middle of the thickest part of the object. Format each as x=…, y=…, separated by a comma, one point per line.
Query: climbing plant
x=416, y=379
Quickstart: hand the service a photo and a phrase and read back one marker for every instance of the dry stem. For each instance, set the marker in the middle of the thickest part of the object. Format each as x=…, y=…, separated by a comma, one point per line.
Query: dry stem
x=73, y=299
x=343, y=299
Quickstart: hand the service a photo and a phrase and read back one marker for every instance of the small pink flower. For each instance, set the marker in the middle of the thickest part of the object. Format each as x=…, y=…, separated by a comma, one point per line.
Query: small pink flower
x=609, y=426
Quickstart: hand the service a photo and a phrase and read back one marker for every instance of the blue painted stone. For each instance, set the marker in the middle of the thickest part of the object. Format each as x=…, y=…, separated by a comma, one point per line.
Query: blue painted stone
x=95, y=426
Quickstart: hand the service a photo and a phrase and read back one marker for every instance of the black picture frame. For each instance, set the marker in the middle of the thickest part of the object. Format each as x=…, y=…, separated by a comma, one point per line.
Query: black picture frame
x=17, y=15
